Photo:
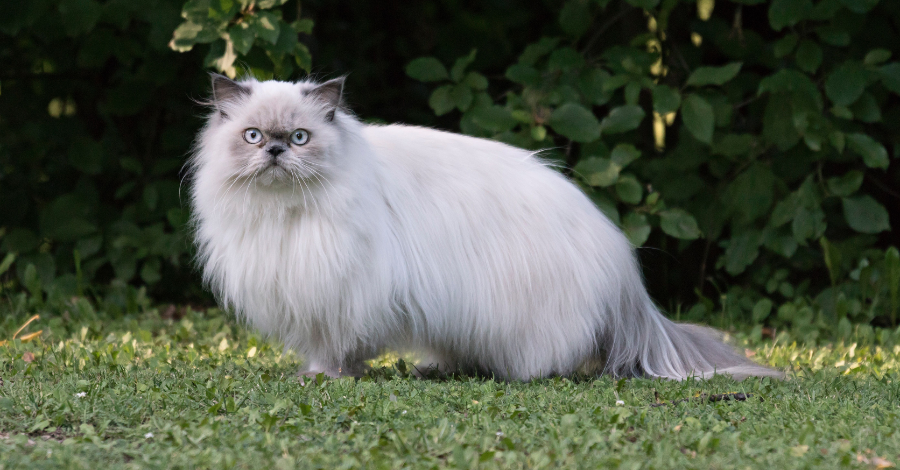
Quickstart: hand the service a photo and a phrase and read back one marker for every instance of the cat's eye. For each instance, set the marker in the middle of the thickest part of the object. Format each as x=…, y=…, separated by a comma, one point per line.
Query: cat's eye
x=299, y=137
x=252, y=136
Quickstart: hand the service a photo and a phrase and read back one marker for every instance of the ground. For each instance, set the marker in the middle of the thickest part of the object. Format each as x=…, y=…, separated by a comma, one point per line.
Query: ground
x=201, y=392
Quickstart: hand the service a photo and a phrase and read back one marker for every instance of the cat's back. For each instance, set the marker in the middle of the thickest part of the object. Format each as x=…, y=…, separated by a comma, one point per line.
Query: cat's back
x=425, y=154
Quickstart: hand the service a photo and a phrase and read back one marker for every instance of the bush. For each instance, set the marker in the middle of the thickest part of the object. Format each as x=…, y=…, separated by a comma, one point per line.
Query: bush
x=750, y=142
x=751, y=138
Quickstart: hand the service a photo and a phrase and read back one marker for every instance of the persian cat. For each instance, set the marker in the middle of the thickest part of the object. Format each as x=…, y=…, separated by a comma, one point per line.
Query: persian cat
x=344, y=239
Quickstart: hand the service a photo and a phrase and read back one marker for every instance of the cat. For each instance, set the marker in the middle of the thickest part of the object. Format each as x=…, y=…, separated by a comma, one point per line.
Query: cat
x=344, y=240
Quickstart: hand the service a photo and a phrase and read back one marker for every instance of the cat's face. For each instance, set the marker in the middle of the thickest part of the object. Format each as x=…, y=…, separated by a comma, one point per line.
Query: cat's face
x=275, y=134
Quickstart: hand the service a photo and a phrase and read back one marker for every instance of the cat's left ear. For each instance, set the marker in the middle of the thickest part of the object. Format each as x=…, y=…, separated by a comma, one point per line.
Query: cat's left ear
x=226, y=90
x=330, y=94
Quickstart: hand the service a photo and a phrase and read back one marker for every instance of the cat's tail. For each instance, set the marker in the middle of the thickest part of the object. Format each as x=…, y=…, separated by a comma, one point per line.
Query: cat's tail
x=649, y=344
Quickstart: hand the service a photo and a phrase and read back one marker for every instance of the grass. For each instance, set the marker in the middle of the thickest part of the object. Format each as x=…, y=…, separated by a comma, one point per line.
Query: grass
x=201, y=392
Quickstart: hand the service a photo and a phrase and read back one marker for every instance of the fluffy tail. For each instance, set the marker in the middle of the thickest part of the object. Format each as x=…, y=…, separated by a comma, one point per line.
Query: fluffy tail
x=652, y=345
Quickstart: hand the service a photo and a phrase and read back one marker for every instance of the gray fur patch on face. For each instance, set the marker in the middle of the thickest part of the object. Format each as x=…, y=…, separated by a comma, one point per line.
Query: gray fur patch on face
x=277, y=109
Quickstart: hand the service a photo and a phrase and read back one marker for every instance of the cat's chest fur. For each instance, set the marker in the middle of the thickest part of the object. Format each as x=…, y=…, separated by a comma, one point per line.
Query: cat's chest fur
x=294, y=269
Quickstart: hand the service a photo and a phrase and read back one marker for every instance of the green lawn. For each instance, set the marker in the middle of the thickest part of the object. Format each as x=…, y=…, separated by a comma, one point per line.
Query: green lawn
x=203, y=393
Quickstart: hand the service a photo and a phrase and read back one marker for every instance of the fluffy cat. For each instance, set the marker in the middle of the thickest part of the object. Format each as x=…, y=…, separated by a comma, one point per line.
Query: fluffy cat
x=344, y=239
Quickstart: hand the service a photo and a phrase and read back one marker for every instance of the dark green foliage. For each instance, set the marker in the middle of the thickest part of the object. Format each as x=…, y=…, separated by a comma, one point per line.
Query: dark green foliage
x=775, y=180
x=779, y=162
x=95, y=121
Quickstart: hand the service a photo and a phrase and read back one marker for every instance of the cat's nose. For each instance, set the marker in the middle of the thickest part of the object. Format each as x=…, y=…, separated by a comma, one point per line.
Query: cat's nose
x=275, y=150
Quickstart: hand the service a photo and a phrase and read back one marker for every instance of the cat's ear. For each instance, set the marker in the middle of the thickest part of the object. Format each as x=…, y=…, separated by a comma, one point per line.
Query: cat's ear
x=330, y=94
x=226, y=90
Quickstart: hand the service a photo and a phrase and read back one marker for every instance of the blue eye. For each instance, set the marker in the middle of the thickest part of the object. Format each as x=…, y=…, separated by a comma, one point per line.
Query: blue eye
x=252, y=135
x=300, y=137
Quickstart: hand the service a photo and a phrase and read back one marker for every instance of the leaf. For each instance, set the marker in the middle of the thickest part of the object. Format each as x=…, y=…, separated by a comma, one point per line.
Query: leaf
x=605, y=204
x=845, y=185
x=645, y=4
x=751, y=194
x=784, y=245
x=890, y=76
x=575, y=18
x=785, y=45
x=742, y=250
x=666, y=99
x=679, y=224
x=462, y=96
x=873, y=153
x=150, y=271
x=535, y=51
x=20, y=240
x=7, y=262
x=784, y=13
x=734, y=145
x=809, y=223
x=427, y=69
x=714, y=75
x=493, y=118
x=809, y=56
x=860, y=6
x=242, y=37
x=565, y=58
x=793, y=83
x=266, y=4
x=778, y=124
x=151, y=196
x=697, y=115
x=441, y=100
x=833, y=35
x=636, y=228
x=303, y=26
x=575, y=122
x=267, y=25
x=624, y=154
x=476, y=81
x=591, y=84
x=67, y=218
x=459, y=67
x=523, y=74
x=846, y=83
x=629, y=189
x=761, y=310
x=865, y=215
x=622, y=119
x=600, y=172
x=78, y=16
x=302, y=57
x=866, y=108
x=86, y=155
x=877, y=56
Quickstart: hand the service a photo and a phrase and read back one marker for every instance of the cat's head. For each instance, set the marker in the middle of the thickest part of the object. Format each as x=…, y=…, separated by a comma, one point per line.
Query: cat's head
x=273, y=133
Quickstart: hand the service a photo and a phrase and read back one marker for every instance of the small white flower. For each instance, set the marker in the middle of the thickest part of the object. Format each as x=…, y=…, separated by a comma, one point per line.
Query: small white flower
x=404, y=412
x=80, y=395
x=499, y=433
x=619, y=402
x=149, y=435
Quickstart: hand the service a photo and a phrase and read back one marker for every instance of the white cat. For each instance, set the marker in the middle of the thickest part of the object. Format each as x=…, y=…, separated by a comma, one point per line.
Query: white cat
x=344, y=239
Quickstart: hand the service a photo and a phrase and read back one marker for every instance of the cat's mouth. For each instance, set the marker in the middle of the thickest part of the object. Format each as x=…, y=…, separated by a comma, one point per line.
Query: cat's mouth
x=273, y=173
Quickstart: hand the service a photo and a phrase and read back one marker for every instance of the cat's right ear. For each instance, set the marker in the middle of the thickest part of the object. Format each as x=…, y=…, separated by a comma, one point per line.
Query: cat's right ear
x=226, y=90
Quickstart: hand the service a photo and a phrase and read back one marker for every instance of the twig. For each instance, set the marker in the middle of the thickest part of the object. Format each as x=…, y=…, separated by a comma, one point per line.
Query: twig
x=882, y=187
x=602, y=29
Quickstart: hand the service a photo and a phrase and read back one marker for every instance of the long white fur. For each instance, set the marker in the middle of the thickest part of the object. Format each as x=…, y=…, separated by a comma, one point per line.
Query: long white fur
x=397, y=237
